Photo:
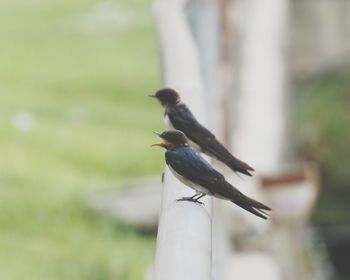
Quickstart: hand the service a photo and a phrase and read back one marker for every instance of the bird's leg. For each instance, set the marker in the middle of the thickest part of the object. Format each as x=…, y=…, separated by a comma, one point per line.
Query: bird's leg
x=199, y=197
x=193, y=198
x=190, y=198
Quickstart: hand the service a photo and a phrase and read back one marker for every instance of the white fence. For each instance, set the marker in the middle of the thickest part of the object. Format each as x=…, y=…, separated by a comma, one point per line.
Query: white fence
x=184, y=241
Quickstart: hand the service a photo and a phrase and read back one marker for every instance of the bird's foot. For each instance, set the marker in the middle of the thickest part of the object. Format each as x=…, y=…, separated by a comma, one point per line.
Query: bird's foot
x=190, y=199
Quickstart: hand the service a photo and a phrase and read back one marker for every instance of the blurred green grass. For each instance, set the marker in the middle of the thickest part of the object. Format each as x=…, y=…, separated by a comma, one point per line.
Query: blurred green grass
x=84, y=80
x=324, y=134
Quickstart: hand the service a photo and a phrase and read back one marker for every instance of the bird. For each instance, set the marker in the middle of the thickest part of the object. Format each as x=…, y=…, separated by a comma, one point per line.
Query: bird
x=188, y=166
x=178, y=116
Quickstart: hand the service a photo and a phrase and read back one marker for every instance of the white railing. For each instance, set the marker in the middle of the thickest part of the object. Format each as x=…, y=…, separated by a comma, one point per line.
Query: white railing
x=184, y=241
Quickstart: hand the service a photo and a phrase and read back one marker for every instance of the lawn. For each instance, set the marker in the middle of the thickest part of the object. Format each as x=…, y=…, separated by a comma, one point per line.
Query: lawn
x=74, y=119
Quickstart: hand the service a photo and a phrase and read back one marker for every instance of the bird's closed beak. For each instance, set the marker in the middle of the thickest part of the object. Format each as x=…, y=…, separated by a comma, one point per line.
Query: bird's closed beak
x=152, y=95
x=157, y=133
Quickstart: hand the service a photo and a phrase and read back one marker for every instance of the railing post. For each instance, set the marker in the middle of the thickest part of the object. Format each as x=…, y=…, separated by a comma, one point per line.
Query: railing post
x=184, y=234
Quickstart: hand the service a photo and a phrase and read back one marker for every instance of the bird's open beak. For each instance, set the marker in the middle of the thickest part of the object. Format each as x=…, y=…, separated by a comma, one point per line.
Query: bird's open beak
x=162, y=144
x=152, y=95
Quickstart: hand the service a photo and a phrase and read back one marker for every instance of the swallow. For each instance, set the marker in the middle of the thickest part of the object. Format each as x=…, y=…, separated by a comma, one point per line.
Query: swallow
x=178, y=116
x=195, y=172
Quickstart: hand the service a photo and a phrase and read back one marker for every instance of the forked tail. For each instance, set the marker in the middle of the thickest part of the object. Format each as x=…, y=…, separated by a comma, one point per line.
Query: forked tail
x=251, y=205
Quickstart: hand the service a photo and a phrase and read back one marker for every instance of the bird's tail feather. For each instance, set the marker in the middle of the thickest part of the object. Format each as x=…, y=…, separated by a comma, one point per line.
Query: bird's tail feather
x=222, y=154
x=255, y=207
x=239, y=166
x=256, y=211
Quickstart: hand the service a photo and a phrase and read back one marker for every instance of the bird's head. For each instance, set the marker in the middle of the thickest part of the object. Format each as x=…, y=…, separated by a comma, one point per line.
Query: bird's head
x=172, y=139
x=166, y=96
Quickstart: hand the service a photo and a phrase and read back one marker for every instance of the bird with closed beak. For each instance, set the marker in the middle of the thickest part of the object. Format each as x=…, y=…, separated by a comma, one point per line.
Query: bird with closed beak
x=195, y=172
x=178, y=116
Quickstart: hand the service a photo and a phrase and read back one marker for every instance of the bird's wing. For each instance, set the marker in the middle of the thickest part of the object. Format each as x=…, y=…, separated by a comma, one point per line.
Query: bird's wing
x=183, y=120
x=189, y=164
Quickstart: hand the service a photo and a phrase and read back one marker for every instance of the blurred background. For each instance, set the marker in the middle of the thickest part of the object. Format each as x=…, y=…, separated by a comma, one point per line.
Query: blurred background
x=76, y=123
x=75, y=119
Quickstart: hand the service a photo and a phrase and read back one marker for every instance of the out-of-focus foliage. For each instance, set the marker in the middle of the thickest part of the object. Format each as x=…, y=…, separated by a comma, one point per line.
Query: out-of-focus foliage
x=324, y=129
x=74, y=119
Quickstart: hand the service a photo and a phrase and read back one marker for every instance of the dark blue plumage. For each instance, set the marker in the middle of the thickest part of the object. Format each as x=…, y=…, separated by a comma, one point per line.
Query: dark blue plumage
x=188, y=163
x=178, y=116
x=194, y=171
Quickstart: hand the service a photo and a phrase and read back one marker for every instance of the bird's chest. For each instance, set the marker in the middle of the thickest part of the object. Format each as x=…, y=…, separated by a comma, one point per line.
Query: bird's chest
x=167, y=122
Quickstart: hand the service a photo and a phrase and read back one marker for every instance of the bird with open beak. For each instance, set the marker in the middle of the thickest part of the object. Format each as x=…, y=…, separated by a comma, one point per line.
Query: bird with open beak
x=178, y=116
x=195, y=172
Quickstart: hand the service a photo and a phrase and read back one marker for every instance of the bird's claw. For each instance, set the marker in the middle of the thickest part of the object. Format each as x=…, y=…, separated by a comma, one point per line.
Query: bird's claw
x=190, y=199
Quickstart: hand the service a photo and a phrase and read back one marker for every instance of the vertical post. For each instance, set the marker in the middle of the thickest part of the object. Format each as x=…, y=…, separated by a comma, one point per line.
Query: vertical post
x=209, y=28
x=184, y=234
x=204, y=20
x=260, y=136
